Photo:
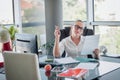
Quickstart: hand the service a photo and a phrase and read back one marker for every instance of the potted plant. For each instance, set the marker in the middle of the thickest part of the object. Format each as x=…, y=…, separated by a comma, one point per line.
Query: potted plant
x=48, y=47
x=5, y=40
x=12, y=31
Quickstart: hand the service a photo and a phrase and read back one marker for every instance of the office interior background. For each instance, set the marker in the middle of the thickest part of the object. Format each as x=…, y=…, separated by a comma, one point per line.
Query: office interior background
x=40, y=17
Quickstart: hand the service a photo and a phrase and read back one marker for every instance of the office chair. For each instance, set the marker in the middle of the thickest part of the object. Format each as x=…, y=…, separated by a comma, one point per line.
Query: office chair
x=21, y=66
x=66, y=32
x=26, y=43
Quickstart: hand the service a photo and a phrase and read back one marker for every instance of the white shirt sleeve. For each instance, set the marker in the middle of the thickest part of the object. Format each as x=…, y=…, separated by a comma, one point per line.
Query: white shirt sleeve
x=62, y=47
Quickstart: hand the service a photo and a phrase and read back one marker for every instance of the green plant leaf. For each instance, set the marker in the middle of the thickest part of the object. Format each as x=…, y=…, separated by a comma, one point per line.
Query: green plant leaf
x=12, y=30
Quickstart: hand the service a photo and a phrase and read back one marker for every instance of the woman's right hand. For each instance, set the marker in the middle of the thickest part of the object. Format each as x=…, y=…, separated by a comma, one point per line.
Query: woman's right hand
x=57, y=33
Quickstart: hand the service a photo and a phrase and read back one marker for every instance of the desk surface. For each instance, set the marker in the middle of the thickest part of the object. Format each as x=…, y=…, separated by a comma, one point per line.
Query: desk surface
x=105, y=68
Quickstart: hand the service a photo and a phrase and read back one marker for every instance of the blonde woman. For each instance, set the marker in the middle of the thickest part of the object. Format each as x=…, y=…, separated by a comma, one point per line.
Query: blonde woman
x=73, y=43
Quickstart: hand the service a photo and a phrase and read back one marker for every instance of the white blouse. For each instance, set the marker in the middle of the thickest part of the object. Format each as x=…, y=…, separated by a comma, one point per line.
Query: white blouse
x=71, y=48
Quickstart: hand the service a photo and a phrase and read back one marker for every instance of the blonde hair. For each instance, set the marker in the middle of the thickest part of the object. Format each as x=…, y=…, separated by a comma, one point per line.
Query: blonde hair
x=71, y=26
x=78, y=21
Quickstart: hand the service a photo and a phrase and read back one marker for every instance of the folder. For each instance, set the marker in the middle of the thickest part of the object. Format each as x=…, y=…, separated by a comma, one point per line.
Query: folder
x=73, y=73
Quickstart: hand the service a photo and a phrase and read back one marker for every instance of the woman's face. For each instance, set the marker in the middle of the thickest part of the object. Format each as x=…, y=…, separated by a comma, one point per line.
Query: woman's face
x=77, y=29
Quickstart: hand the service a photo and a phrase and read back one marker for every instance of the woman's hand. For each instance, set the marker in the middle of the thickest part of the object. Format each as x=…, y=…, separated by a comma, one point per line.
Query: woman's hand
x=96, y=53
x=57, y=33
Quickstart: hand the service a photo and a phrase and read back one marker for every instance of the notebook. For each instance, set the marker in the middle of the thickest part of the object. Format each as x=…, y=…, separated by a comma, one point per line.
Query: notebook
x=21, y=66
x=73, y=73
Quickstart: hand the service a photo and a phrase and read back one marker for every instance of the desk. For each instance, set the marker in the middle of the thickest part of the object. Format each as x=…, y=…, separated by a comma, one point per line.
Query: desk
x=105, y=71
x=2, y=77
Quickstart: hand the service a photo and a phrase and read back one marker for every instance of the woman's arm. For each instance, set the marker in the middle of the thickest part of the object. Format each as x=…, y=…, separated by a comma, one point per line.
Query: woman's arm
x=56, y=52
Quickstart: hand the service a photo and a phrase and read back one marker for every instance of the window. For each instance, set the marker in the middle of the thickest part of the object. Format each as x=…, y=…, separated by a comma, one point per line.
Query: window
x=107, y=19
x=6, y=12
x=109, y=37
x=74, y=9
x=33, y=16
x=107, y=10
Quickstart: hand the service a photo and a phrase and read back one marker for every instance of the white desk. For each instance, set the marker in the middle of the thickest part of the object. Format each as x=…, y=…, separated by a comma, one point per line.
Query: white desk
x=2, y=77
x=105, y=69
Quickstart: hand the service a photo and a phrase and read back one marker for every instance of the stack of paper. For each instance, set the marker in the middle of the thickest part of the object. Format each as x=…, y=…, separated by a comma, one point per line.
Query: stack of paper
x=66, y=60
x=1, y=60
x=73, y=73
x=88, y=65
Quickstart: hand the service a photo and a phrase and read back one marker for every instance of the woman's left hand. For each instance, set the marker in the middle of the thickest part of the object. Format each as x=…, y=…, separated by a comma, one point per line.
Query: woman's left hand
x=96, y=53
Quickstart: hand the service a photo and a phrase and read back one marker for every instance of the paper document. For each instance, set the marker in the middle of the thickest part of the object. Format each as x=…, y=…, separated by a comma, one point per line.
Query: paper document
x=90, y=44
x=69, y=79
x=1, y=58
x=66, y=60
x=87, y=65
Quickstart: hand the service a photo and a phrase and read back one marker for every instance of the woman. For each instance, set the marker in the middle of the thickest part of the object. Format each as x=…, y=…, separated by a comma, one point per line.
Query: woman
x=73, y=43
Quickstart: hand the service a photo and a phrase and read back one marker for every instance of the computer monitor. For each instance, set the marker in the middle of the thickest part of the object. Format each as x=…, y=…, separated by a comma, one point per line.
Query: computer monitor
x=26, y=43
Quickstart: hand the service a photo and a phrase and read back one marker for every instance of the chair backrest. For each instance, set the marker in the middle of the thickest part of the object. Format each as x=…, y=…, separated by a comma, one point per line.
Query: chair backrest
x=26, y=43
x=21, y=66
x=66, y=32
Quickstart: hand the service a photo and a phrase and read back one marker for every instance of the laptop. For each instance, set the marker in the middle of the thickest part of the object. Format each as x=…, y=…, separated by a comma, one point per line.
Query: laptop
x=21, y=66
